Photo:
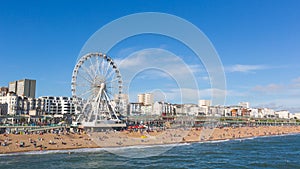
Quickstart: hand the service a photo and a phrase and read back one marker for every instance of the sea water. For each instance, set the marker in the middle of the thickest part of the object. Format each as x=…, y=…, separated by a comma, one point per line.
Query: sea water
x=261, y=152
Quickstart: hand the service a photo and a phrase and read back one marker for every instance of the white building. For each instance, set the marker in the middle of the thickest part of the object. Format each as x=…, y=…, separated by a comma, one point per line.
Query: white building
x=141, y=98
x=266, y=113
x=17, y=105
x=254, y=113
x=163, y=108
x=57, y=105
x=145, y=98
x=295, y=116
x=216, y=111
x=284, y=114
x=204, y=107
x=12, y=101
x=134, y=109
x=123, y=101
x=244, y=104
x=204, y=103
x=146, y=110
x=187, y=109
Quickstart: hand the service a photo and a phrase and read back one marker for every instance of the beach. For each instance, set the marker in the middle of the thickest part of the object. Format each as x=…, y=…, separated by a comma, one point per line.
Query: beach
x=11, y=143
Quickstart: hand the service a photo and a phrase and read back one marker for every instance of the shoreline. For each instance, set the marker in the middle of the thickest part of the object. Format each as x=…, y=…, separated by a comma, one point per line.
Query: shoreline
x=95, y=149
x=103, y=140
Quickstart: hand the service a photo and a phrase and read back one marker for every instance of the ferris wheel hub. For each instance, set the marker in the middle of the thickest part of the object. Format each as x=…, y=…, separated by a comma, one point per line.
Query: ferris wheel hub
x=102, y=86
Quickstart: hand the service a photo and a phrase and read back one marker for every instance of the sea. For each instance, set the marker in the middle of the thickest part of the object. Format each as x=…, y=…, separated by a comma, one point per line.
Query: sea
x=260, y=152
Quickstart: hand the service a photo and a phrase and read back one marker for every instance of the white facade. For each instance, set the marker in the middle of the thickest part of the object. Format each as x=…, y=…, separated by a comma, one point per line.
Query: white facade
x=145, y=98
x=17, y=105
x=148, y=99
x=204, y=103
x=163, y=108
x=254, y=113
x=123, y=101
x=216, y=111
x=268, y=113
x=12, y=101
x=146, y=110
x=284, y=114
x=141, y=98
x=295, y=115
x=134, y=109
x=187, y=109
x=57, y=105
x=244, y=105
x=157, y=108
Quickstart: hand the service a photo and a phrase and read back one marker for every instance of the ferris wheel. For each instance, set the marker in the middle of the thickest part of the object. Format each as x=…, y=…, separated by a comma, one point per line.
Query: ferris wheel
x=96, y=80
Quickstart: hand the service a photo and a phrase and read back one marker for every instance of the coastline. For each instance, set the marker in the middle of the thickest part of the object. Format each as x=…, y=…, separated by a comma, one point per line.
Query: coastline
x=72, y=142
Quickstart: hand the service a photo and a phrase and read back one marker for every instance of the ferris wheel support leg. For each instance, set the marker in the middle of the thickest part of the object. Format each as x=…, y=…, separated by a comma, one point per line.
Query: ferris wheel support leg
x=111, y=106
x=97, y=102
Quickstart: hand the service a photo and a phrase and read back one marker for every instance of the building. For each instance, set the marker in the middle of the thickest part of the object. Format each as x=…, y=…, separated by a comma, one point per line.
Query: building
x=3, y=91
x=245, y=112
x=254, y=113
x=134, y=109
x=204, y=103
x=284, y=114
x=145, y=98
x=14, y=103
x=295, y=116
x=163, y=108
x=123, y=101
x=204, y=106
x=12, y=87
x=25, y=87
x=3, y=109
x=141, y=98
x=147, y=110
x=148, y=99
x=234, y=111
x=57, y=105
x=244, y=105
x=266, y=113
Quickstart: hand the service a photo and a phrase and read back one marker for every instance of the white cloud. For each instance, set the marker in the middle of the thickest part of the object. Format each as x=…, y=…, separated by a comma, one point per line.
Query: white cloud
x=279, y=96
x=289, y=104
x=190, y=95
x=245, y=68
x=296, y=83
x=296, y=80
x=270, y=88
x=162, y=63
x=126, y=51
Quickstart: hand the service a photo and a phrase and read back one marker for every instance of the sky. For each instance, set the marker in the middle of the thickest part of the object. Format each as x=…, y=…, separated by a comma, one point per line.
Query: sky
x=257, y=42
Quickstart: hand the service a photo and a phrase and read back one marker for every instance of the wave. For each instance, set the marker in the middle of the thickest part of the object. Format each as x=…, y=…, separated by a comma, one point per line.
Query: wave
x=249, y=138
x=55, y=151
x=149, y=146
x=215, y=141
x=93, y=150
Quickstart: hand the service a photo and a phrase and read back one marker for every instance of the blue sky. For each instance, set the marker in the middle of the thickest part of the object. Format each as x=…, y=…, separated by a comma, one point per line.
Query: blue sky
x=257, y=41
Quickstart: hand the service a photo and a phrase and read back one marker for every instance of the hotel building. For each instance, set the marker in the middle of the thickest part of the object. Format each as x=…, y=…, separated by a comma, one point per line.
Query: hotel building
x=23, y=87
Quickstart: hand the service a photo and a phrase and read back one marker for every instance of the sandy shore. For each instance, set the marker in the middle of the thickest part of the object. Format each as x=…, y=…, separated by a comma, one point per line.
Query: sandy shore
x=44, y=142
x=36, y=142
